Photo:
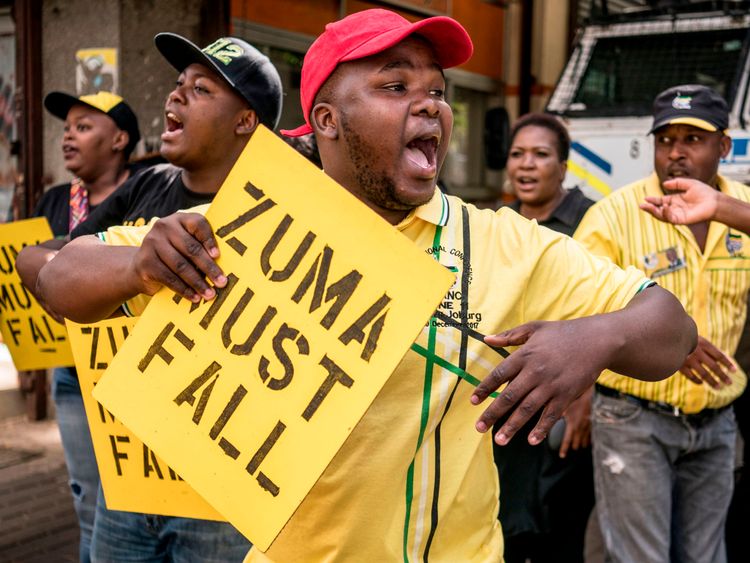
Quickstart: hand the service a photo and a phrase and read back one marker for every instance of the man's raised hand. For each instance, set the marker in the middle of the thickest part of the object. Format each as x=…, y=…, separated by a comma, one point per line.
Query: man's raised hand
x=690, y=201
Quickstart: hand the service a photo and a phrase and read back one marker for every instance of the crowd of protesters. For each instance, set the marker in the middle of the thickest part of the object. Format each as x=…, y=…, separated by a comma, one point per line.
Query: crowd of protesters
x=653, y=280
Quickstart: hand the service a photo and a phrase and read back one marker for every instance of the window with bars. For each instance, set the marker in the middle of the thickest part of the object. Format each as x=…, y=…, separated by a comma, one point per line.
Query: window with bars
x=625, y=73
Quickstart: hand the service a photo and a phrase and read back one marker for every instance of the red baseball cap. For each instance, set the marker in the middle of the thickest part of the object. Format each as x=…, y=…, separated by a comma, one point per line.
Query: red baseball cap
x=367, y=33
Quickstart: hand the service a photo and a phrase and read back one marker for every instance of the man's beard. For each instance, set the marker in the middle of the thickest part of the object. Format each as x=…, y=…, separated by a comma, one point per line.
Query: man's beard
x=378, y=186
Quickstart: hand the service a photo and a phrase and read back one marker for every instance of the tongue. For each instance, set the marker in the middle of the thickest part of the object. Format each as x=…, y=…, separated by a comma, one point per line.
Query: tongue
x=417, y=157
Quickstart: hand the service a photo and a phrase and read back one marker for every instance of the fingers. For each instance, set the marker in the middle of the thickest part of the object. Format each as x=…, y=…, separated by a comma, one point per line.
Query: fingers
x=577, y=433
x=198, y=226
x=514, y=336
x=527, y=406
x=540, y=376
x=719, y=363
x=586, y=441
x=655, y=200
x=653, y=209
x=198, y=244
x=576, y=440
x=700, y=370
x=513, y=393
x=694, y=368
x=688, y=372
x=505, y=400
x=181, y=275
x=708, y=364
x=551, y=413
x=718, y=372
x=567, y=441
x=502, y=373
x=179, y=253
x=698, y=374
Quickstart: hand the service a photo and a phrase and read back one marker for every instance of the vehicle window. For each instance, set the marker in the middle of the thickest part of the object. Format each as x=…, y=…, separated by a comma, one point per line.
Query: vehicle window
x=625, y=73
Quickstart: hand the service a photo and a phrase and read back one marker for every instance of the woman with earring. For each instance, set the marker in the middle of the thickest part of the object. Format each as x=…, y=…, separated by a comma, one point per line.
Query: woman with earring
x=546, y=491
x=99, y=136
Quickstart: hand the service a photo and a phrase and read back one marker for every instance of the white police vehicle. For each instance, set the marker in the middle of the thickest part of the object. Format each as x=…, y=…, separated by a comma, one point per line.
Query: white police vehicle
x=618, y=66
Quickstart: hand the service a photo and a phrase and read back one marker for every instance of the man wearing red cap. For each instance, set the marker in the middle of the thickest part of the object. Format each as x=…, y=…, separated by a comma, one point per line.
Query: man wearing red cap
x=415, y=480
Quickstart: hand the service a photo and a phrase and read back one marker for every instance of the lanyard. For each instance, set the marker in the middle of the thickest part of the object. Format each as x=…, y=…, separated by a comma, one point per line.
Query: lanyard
x=466, y=332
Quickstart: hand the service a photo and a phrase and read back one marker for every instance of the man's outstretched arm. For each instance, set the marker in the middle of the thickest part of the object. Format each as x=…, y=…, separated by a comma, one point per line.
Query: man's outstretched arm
x=648, y=339
x=31, y=260
x=88, y=280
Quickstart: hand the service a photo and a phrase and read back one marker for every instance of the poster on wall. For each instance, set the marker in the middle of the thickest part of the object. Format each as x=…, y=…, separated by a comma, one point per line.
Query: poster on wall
x=96, y=70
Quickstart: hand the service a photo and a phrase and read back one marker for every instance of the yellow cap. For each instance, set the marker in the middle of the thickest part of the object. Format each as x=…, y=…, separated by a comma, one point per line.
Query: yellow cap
x=103, y=101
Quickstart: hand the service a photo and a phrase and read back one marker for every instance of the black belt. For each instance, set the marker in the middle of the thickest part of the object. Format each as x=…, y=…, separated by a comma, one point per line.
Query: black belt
x=660, y=407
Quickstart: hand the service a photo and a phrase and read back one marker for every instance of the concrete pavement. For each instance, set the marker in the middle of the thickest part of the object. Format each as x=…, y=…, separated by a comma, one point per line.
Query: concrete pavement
x=37, y=521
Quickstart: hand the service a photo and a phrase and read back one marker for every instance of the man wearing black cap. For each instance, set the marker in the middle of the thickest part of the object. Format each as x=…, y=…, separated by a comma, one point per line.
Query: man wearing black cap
x=664, y=451
x=222, y=93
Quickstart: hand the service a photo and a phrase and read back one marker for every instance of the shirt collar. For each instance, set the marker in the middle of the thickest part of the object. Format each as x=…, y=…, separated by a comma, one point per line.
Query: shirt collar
x=435, y=211
x=566, y=212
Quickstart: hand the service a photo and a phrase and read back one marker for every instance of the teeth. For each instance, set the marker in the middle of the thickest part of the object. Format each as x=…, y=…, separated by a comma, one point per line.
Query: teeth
x=173, y=117
x=425, y=139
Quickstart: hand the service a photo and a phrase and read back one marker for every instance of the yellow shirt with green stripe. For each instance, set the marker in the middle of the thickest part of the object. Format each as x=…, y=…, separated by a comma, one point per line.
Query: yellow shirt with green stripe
x=415, y=480
x=712, y=285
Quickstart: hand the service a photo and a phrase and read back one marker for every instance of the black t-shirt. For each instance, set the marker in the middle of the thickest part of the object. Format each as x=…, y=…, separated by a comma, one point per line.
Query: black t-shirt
x=156, y=192
x=55, y=203
x=565, y=218
x=55, y=206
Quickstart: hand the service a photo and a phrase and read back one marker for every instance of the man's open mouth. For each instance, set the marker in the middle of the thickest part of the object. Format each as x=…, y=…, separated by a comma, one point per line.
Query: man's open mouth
x=172, y=122
x=423, y=150
x=678, y=173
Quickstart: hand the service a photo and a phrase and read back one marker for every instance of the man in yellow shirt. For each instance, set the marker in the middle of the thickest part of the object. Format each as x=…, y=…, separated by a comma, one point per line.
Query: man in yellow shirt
x=415, y=480
x=664, y=451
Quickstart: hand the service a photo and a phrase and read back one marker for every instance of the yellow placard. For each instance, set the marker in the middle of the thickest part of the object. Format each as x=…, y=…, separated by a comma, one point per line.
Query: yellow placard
x=35, y=340
x=133, y=477
x=250, y=395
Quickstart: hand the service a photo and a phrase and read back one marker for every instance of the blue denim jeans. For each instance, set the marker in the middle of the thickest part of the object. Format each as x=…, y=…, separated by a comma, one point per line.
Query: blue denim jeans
x=79, y=451
x=121, y=537
x=663, y=483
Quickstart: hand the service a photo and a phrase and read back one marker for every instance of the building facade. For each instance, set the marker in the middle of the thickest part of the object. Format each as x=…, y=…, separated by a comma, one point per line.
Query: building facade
x=79, y=45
